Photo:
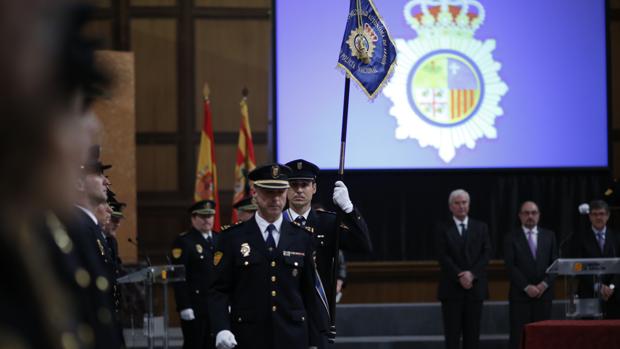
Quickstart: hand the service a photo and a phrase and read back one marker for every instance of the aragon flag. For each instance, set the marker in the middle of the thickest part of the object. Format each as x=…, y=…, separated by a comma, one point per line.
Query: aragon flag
x=245, y=161
x=367, y=54
x=206, y=170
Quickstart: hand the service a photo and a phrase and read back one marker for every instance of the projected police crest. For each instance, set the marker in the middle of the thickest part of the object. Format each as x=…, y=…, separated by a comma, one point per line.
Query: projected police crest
x=446, y=89
x=477, y=84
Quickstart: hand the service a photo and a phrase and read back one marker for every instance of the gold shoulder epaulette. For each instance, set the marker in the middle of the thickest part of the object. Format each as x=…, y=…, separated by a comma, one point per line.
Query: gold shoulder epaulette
x=226, y=227
x=306, y=228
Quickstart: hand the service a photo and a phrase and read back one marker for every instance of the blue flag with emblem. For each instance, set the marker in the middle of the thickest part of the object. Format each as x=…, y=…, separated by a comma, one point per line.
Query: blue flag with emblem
x=367, y=54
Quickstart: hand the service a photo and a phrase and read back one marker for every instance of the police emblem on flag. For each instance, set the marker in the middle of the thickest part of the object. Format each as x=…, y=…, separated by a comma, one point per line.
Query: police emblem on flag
x=367, y=54
x=446, y=89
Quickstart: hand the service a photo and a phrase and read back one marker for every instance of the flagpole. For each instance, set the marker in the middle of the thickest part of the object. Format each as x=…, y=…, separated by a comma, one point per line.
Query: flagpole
x=336, y=251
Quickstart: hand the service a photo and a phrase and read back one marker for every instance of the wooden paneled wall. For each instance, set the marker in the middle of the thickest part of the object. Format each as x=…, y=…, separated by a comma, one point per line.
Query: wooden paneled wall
x=180, y=44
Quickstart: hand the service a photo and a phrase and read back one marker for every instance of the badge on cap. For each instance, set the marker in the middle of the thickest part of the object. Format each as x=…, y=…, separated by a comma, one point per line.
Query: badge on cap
x=300, y=165
x=176, y=253
x=245, y=249
x=199, y=248
x=275, y=171
x=217, y=257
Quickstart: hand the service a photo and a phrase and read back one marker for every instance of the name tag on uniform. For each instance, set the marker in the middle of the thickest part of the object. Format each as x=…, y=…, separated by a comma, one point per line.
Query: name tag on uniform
x=293, y=253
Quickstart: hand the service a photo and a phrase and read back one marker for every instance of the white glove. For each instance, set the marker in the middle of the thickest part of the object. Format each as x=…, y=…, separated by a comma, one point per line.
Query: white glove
x=225, y=340
x=584, y=209
x=341, y=197
x=187, y=314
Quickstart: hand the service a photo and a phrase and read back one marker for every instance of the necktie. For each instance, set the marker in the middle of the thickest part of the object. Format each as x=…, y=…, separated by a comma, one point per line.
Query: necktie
x=463, y=230
x=532, y=243
x=210, y=242
x=271, y=242
x=301, y=220
x=600, y=236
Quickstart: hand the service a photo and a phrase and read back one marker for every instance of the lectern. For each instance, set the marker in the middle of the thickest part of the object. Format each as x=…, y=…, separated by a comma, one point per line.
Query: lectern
x=579, y=270
x=160, y=274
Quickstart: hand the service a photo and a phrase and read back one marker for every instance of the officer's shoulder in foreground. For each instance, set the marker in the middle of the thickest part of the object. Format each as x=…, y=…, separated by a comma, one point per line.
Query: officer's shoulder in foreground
x=232, y=230
x=181, y=237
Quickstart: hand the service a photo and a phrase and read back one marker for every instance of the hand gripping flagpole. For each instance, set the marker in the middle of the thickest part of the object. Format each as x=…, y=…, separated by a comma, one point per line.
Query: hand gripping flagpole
x=359, y=42
x=343, y=146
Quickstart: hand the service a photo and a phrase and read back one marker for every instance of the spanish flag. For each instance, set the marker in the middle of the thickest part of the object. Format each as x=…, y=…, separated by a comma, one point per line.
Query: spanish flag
x=206, y=170
x=246, y=161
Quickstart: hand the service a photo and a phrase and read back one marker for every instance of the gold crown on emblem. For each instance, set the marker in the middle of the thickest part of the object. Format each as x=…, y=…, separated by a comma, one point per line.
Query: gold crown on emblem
x=441, y=17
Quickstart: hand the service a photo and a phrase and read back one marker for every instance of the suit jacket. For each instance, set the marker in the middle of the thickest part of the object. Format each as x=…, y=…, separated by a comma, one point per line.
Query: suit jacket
x=456, y=254
x=271, y=294
x=523, y=268
x=585, y=245
x=191, y=250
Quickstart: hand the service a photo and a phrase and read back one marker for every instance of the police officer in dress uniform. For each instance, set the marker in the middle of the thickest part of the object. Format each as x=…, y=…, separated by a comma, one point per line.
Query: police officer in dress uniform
x=323, y=224
x=194, y=249
x=264, y=271
x=99, y=264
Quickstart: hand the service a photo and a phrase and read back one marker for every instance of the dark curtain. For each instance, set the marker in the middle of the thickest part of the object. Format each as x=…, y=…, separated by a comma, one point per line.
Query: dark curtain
x=402, y=208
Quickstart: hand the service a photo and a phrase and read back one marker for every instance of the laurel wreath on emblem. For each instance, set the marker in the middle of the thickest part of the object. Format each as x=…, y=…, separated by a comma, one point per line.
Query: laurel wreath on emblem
x=446, y=88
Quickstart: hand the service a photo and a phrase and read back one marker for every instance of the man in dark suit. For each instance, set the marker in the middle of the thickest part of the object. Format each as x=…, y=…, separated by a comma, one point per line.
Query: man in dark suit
x=528, y=252
x=353, y=232
x=599, y=242
x=265, y=273
x=463, y=251
x=194, y=249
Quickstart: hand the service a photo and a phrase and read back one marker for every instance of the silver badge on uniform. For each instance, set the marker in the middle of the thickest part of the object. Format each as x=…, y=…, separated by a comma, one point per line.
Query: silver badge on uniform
x=245, y=249
x=295, y=272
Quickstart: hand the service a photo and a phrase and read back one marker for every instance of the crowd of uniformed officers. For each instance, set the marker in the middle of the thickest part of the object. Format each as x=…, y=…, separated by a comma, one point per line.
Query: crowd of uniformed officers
x=58, y=214
x=267, y=281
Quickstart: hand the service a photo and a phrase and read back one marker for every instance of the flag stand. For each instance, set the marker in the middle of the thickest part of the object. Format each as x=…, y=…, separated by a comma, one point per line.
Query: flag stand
x=334, y=270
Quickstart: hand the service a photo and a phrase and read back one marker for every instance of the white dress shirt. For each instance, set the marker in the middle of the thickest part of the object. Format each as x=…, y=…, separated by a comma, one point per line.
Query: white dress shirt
x=263, y=224
x=458, y=224
x=294, y=214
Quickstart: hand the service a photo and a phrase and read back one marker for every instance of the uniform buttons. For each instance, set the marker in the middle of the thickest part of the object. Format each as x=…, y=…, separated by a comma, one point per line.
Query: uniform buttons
x=303, y=318
x=102, y=283
x=239, y=319
x=322, y=243
x=274, y=308
x=295, y=264
x=69, y=341
x=246, y=263
x=63, y=242
x=202, y=257
x=82, y=277
x=273, y=264
x=273, y=293
x=273, y=279
x=197, y=291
